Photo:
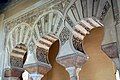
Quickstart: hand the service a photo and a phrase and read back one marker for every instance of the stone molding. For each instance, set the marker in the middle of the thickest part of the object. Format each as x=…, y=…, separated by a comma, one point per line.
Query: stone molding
x=39, y=67
x=13, y=72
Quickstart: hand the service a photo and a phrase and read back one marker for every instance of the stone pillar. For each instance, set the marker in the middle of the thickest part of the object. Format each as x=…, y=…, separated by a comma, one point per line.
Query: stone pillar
x=71, y=59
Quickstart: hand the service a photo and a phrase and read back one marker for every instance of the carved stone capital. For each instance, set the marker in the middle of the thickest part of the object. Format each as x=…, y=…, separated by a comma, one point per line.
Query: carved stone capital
x=75, y=59
x=13, y=73
x=72, y=63
x=39, y=67
x=110, y=50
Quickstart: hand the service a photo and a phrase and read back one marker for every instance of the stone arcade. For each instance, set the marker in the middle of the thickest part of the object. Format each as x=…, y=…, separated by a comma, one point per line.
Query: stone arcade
x=60, y=39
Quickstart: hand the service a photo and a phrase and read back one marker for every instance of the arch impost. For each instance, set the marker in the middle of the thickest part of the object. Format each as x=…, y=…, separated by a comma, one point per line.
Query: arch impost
x=13, y=72
x=72, y=60
x=72, y=63
x=110, y=49
x=38, y=67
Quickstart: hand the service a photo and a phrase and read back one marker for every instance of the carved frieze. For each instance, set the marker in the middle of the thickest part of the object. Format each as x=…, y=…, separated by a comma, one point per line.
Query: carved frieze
x=111, y=50
x=31, y=16
x=64, y=35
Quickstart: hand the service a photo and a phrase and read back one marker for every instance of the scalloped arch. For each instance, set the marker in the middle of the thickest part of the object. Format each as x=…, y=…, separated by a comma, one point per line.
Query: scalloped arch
x=50, y=22
x=19, y=34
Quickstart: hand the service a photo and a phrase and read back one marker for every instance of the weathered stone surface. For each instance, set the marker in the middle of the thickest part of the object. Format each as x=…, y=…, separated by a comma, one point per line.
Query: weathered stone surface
x=39, y=67
x=13, y=72
x=75, y=59
x=111, y=50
